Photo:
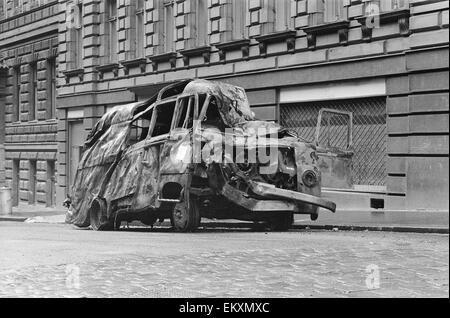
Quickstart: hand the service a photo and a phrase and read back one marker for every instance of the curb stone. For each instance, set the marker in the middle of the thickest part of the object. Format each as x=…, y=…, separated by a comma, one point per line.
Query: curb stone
x=404, y=229
x=12, y=219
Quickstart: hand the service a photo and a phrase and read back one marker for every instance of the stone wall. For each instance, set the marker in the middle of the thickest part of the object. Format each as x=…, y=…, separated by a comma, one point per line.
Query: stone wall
x=408, y=48
x=28, y=38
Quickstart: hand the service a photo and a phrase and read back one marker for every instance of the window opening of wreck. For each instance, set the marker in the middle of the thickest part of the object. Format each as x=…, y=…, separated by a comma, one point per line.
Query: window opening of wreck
x=185, y=113
x=211, y=112
x=140, y=127
x=139, y=130
x=164, y=116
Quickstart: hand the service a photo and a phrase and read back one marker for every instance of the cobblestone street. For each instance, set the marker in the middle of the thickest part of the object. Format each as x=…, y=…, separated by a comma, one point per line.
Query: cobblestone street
x=42, y=260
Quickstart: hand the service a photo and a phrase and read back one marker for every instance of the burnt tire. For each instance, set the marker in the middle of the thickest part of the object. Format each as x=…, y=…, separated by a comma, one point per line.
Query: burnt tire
x=282, y=222
x=186, y=215
x=98, y=216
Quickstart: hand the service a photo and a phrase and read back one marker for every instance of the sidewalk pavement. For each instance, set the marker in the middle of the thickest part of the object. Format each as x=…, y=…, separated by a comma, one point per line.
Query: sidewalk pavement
x=340, y=221
x=26, y=212
x=379, y=220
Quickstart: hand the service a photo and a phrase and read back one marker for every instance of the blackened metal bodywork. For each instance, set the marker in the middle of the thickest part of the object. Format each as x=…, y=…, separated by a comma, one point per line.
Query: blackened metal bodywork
x=335, y=162
x=162, y=159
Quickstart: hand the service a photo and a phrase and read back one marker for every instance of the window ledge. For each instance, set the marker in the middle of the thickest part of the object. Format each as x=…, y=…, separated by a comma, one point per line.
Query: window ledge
x=326, y=27
x=389, y=16
x=243, y=45
x=3, y=66
x=138, y=62
x=288, y=36
x=276, y=36
x=339, y=26
x=110, y=67
x=204, y=51
x=170, y=57
x=73, y=73
x=400, y=16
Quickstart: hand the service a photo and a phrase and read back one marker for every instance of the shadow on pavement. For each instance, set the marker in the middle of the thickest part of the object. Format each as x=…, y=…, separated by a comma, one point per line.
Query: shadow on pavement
x=208, y=227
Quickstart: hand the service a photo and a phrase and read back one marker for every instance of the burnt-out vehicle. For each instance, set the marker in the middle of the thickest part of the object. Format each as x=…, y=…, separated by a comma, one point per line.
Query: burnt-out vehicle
x=193, y=150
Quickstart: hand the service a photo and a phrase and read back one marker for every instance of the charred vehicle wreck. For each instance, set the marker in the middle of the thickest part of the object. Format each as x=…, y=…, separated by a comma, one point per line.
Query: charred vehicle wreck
x=164, y=159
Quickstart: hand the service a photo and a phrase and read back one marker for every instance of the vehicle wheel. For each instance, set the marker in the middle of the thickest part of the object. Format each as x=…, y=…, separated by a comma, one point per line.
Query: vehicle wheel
x=282, y=222
x=98, y=217
x=186, y=215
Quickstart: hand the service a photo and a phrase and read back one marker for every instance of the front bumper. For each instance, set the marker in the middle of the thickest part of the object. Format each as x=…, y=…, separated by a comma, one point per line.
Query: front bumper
x=277, y=199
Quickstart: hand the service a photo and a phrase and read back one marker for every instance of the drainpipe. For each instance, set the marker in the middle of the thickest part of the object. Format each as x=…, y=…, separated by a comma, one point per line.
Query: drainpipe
x=3, y=74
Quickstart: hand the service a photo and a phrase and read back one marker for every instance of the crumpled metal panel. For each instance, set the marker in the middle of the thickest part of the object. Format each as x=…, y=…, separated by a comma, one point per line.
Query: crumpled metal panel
x=232, y=101
x=107, y=141
x=306, y=161
x=130, y=175
x=147, y=182
x=176, y=155
x=87, y=182
x=134, y=177
x=336, y=169
x=123, y=181
x=118, y=114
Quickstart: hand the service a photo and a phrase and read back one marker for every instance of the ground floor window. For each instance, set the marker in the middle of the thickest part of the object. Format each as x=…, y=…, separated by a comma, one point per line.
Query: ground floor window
x=369, y=132
x=32, y=181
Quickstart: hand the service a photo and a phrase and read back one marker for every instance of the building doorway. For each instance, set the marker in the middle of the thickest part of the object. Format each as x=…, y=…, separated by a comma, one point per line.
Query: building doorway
x=32, y=180
x=76, y=141
x=51, y=184
x=15, y=182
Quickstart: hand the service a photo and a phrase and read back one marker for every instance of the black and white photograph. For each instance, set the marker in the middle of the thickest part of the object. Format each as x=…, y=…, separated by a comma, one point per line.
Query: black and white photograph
x=224, y=155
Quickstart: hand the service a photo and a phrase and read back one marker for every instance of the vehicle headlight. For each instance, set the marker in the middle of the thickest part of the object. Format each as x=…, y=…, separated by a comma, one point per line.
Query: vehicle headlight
x=310, y=178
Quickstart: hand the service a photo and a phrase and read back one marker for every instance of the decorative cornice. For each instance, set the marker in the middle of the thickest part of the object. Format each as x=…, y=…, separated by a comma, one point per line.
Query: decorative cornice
x=288, y=36
x=72, y=73
x=341, y=27
x=399, y=16
x=110, y=67
x=17, y=61
x=3, y=68
x=242, y=45
x=204, y=51
x=33, y=58
x=52, y=53
x=170, y=57
x=393, y=16
x=139, y=62
x=326, y=27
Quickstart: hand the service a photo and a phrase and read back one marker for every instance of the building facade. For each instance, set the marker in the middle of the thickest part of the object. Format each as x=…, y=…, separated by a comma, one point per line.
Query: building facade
x=28, y=126
x=386, y=61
